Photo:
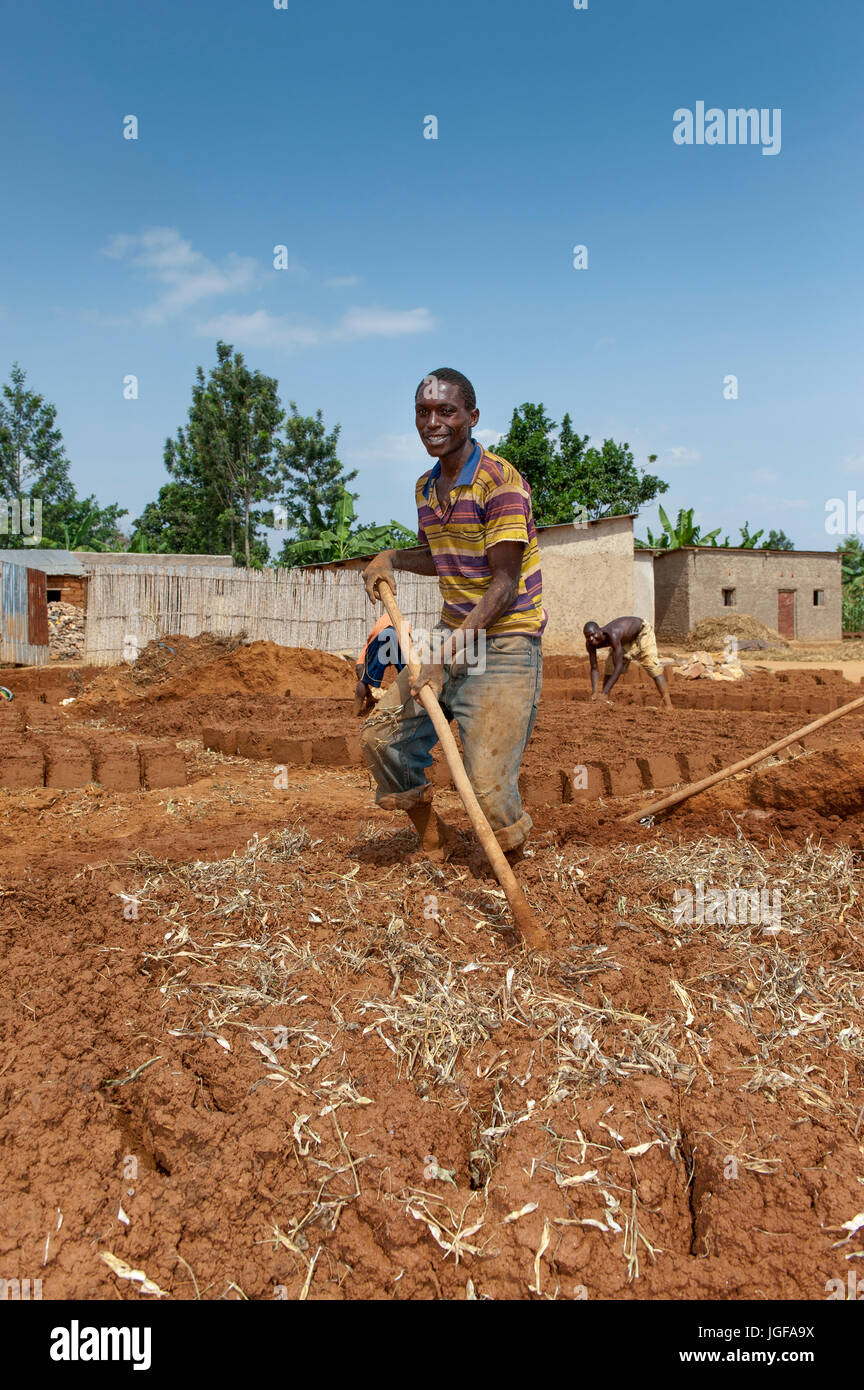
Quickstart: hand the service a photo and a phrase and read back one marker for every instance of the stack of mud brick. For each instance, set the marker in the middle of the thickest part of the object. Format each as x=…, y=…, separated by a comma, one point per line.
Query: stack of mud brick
x=272, y=745
x=592, y=781
x=36, y=750
x=805, y=693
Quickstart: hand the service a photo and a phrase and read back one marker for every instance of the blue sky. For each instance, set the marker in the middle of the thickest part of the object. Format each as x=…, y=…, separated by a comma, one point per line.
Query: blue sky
x=304, y=127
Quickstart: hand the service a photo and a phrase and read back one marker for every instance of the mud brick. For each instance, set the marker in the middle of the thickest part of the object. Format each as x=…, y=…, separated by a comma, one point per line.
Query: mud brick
x=660, y=770
x=625, y=779
x=542, y=789
x=596, y=776
x=793, y=705
x=339, y=750
x=68, y=763
x=694, y=765
x=116, y=765
x=257, y=743
x=216, y=736
x=12, y=719
x=228, y=740
x=292, y=751
x=735, y=700
x=21, y=764
x=820, y=704
x=162, y=765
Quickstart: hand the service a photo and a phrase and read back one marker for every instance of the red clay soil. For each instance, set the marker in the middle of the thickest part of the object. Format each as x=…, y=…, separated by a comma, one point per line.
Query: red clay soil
x=302, y=1061
x=386, y=1083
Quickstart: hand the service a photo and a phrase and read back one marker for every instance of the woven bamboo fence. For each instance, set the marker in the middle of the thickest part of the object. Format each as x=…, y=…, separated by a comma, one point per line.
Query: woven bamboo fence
x=324, y=609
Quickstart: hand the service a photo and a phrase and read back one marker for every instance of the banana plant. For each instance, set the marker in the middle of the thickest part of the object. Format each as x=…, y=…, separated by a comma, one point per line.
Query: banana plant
x=683, y=533
x=345, y=540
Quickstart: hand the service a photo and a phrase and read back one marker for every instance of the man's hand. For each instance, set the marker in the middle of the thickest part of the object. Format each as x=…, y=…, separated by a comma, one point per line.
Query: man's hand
x=379, y=568
x=363, y=701
x=430, y=674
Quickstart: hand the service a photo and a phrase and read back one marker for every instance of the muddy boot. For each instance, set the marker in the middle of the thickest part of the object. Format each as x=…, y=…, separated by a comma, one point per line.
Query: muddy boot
x=437, y=839
x=480, y=866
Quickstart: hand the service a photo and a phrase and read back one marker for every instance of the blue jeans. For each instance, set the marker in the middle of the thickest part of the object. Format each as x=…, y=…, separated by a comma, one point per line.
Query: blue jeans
x=495, y=710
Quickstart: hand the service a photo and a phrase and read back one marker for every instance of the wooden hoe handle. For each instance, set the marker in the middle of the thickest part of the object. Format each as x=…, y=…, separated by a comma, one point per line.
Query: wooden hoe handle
x=532, y=933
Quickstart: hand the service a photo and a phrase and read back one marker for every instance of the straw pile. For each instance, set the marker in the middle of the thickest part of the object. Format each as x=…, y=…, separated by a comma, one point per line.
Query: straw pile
x=711, y=633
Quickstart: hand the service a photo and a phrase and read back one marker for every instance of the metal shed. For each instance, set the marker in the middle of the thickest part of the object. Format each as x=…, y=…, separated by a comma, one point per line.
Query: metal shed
x=66, y=575
x=23, y=615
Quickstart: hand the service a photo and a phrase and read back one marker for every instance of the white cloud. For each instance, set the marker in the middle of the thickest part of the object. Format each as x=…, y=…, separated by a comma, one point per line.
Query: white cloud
x=488, y=438
x=384, y=323
x=185, y=276
x=678, y=457
x=262, y=329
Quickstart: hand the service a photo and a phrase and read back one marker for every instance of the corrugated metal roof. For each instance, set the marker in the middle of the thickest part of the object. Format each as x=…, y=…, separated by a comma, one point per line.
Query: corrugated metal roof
x=84, y=561
x=49, y=561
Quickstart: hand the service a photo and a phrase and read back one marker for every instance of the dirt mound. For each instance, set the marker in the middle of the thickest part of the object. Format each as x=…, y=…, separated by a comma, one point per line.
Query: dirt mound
x=711, y=633
x=826, y=783
x=179, y=667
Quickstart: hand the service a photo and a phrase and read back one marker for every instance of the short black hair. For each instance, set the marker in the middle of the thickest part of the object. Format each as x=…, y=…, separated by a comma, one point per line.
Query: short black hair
x=454, y=378
x=590, y=627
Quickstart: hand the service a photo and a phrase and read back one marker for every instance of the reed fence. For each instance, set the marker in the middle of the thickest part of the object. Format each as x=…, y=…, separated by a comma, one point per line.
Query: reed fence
x=323, y=609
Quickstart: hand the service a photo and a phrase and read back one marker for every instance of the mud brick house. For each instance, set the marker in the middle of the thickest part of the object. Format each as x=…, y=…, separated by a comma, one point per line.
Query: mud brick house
x=797, y=592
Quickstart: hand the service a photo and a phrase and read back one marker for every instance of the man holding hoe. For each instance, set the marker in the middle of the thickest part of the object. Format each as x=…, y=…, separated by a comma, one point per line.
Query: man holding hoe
x=629, y=639
x=476, y=533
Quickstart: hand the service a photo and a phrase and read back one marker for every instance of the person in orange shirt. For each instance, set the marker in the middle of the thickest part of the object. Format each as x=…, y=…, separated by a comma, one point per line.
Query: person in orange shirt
x=380, y=651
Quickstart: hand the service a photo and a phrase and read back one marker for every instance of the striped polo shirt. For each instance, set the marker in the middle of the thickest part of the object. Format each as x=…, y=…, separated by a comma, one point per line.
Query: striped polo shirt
x=490, y=502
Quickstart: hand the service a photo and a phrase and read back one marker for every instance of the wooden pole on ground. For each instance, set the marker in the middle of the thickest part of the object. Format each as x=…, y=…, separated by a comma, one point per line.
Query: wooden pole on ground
x=651, y=808
x=533, y=934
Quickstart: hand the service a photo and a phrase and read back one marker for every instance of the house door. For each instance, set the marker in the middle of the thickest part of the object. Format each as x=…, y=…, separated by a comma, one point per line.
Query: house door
x=786, y=613
x=37, y=609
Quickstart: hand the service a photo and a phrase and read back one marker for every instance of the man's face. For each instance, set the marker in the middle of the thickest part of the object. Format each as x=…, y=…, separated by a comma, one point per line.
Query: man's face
x=594, y=639
x=443, y=422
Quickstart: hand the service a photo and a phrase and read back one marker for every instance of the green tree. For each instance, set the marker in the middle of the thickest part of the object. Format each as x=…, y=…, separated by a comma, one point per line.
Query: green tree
x=176, y=523
x=567, y=477
x=33, y=462
x=228, y=454
x=852, y=552
x=312, y=477
x=777, y=540
x=81, y=524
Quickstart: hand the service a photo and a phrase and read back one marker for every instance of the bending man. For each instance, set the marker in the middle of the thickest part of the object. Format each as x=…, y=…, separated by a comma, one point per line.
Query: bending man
x=630, y=639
